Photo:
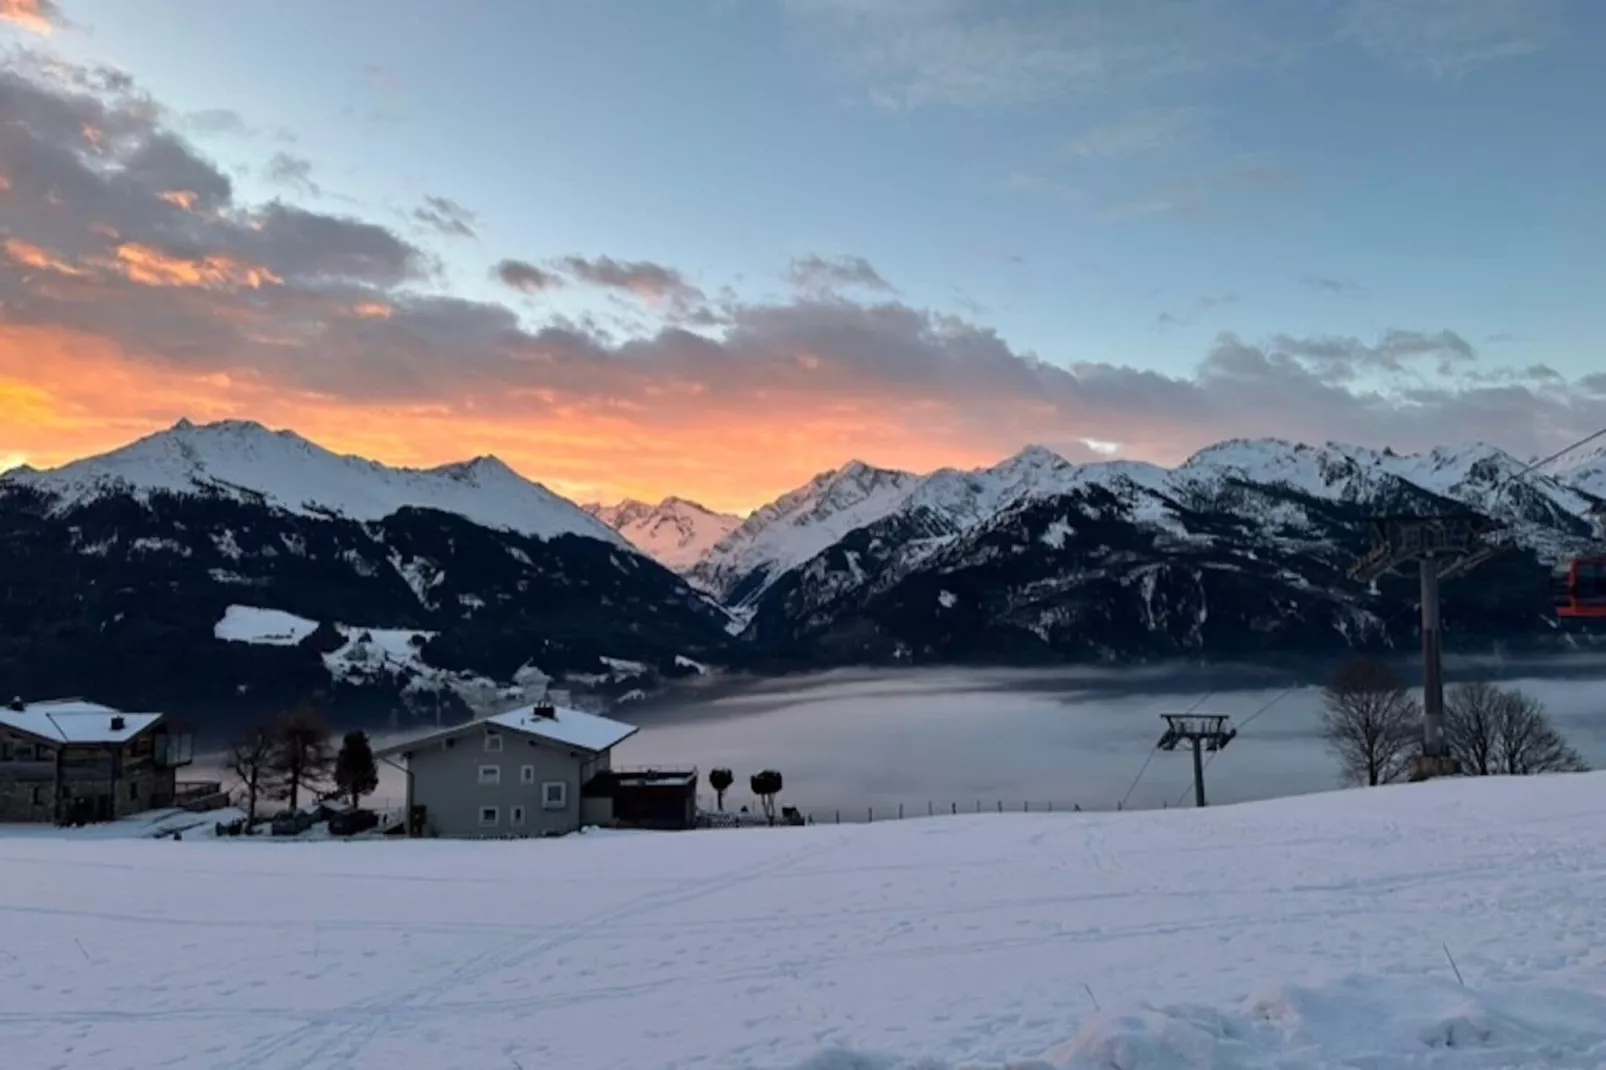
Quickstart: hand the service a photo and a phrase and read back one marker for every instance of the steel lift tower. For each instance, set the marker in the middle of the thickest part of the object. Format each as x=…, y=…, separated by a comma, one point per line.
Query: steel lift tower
x=1205, y=732
x=1442, y=547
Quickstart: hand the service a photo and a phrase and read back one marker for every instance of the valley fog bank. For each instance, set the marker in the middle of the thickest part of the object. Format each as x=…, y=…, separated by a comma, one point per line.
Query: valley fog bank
x=853, y=741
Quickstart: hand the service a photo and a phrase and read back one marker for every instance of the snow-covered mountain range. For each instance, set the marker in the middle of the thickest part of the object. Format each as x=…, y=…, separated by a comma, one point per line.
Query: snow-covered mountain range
x=676, y=532
x=419, y=590
x=116, y=570
x=785, y=534
x=244, y=461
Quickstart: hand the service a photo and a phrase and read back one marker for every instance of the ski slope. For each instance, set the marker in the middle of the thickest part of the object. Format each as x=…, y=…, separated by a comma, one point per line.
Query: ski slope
x=1300, y=933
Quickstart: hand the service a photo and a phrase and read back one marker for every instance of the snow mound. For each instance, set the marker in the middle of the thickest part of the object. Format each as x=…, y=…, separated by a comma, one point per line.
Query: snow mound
x=244, y=461
x=267, y=627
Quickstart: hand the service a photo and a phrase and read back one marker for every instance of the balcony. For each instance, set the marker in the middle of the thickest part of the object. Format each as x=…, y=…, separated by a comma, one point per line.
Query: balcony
x=174, y=750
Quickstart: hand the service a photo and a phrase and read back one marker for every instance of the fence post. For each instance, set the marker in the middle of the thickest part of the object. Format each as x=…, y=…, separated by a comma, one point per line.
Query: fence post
x=1000, y=805
x=1051, y=806
x=955, y=807
x=869, y=813
x=1026, y=807
x=978, y=806
x=930, y=809
x=839, y=817
x=900, y=811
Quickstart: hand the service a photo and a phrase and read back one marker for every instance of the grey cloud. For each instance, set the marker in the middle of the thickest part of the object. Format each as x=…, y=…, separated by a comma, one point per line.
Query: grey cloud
x=526, y=276
x=1339, y=359
x=640, y=278
x=292, y=171
x=446, y=216
x=1330, y=284
x=817, y=273
x=345, y=316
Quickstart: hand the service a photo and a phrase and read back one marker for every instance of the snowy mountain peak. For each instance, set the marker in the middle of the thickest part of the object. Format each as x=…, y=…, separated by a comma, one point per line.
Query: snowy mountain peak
x=799, y=524
x=244, y=461
x=676, y=532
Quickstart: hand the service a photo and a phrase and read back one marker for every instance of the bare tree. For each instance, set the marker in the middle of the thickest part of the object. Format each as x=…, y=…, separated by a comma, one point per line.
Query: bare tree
x=302, y=755
x=250, y=758
x=1371, y=722
x=1497, y=731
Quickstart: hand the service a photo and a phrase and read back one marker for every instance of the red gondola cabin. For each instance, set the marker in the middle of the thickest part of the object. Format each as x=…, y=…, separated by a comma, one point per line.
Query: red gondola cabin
x=1579, y=589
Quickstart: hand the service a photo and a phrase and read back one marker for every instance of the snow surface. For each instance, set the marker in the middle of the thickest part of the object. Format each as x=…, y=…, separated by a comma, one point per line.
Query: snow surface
x=268, y=627
x=1299, y=934
x=802, y=523
x=73, y=720
x=571, y=727
x=244, y=460
x=675, y=532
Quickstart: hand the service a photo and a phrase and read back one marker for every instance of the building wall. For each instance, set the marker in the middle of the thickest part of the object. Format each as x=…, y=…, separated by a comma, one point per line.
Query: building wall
x=31, y=773
x=446, y=781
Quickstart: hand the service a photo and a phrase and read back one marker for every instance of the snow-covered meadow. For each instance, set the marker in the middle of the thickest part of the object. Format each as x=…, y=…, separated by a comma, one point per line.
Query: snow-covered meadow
x=1300, y=933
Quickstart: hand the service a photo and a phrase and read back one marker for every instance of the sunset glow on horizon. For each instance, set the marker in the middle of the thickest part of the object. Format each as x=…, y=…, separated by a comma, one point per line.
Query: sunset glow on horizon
x=646, y=315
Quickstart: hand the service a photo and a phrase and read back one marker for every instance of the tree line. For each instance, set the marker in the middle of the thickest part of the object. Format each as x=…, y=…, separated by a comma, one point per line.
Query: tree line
x=293, y=754
x=1373, y=725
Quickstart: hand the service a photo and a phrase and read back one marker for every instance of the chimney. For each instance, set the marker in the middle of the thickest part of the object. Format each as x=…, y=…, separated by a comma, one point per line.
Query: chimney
x=18, y=705
x=117, y=722
x=547, y=710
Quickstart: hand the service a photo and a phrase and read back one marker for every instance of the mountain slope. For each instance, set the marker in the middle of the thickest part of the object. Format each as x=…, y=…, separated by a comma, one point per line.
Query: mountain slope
x=246, y=462
x=798, y=525
x=118, y=574
x=675, y=532
x=1240, y=551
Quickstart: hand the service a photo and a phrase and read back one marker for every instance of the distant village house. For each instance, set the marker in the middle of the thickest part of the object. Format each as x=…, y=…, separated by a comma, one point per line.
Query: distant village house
x=70, y=761
x=538, y=770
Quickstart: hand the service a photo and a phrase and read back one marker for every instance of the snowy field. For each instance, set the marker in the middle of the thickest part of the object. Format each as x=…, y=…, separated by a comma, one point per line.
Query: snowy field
x=1300, y=933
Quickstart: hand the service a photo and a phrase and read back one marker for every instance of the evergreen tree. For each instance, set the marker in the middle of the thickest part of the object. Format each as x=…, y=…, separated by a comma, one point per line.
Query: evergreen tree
x=356, y=772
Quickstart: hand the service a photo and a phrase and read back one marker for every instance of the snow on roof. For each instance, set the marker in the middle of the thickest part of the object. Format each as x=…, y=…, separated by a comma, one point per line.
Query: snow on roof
x=242, y=459
x=565, y=726
x=73, y=720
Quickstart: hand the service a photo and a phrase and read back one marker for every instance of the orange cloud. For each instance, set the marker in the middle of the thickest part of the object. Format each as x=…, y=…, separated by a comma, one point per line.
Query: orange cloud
x=5, y=183
x=180, y=198
x=34, y=257
x=64, y=395
x=32, y=15
x=152, y=267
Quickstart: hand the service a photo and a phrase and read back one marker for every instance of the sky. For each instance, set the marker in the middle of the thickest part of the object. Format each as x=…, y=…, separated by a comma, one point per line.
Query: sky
x=711, y=248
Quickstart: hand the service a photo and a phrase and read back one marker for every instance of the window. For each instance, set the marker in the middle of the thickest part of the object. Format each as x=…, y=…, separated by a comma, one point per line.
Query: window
x=493, y=741
x=527, y=775
x=515, y=816
x=490, y=774
x=489, y=816
x=24, y=752
x=38, y=796
x=133, y=791
x=554, y=795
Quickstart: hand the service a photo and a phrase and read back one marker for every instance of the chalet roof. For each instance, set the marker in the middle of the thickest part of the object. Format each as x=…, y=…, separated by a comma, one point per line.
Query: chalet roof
x=565, y=726
x=75, y=720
